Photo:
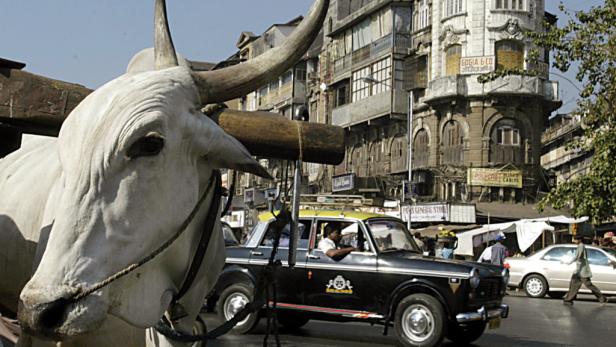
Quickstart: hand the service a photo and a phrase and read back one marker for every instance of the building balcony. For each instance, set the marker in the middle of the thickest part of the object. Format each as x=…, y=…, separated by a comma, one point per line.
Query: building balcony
x=369, y=108
x=371, y=52
x=560, y=156
x=552, y=134
x=467, y=85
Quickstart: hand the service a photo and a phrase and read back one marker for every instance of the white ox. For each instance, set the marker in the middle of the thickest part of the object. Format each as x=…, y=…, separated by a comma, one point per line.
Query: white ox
x=128, y=167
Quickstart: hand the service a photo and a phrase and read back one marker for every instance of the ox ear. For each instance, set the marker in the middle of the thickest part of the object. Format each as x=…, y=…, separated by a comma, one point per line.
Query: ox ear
x=222, y=150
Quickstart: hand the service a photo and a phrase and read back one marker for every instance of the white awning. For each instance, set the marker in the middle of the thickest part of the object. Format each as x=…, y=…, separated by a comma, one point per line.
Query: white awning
x=527, y=231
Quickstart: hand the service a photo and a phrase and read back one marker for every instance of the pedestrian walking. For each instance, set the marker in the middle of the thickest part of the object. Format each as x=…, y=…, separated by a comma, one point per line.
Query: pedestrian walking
x=498, y=251
x=582, y=274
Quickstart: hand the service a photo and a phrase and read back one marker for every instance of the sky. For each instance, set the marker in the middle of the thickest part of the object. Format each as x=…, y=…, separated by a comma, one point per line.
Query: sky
x=91, y=42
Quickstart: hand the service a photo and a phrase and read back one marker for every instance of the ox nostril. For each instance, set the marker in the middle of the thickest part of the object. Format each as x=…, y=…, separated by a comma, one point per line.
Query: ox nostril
x=53, y=314
x=43, y=320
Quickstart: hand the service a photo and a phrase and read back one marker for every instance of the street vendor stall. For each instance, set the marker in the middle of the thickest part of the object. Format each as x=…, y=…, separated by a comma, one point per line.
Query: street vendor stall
x=527, y=231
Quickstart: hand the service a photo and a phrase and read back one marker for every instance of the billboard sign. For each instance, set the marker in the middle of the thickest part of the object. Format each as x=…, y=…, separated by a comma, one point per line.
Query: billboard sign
x=494, y=178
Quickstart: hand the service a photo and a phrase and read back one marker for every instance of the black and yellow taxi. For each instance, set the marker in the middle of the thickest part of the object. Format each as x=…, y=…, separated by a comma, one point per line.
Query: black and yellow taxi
x=387, y=280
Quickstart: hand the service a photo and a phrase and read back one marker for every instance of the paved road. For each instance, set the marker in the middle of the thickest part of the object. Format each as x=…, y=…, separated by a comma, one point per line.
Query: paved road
x=532, y=323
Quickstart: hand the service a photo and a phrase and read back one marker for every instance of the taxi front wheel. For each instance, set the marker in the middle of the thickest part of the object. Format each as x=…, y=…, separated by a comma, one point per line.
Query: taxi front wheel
x=231, y=301
x=420, y=321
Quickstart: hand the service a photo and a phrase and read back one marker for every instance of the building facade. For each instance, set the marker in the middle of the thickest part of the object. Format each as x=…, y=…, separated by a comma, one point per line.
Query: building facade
x=562, y=160
x=471, y=141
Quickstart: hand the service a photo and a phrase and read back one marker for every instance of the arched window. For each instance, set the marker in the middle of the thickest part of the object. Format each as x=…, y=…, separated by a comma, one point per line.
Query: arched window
x=421, y=149
x=375, y=166
x=507, y=139
x=399, y=154
x=509, y=54
x=358, y=161
x=453, y=143
x=452, y=60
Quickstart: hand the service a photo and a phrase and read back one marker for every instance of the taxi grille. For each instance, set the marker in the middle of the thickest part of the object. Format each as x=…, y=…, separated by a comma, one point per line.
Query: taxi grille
x=489, y=288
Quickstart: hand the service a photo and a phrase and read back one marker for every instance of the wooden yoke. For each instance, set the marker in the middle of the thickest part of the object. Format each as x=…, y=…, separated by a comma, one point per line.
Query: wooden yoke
x=271, y=135
x=39, y=105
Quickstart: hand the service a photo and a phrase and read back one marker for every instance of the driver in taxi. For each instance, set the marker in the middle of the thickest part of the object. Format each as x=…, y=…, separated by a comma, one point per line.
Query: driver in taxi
x=329, y=244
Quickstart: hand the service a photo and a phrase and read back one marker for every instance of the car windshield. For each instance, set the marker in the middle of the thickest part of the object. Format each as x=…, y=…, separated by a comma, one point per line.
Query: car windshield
x=391, y=235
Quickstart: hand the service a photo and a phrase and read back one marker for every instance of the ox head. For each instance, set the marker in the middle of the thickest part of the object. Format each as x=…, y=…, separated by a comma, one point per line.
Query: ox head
x=136, y=155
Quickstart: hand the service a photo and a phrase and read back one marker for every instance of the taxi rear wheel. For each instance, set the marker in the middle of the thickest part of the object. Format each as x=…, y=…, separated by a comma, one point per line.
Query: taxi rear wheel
x=465, y=334
x=420, y=321
x=231, y=301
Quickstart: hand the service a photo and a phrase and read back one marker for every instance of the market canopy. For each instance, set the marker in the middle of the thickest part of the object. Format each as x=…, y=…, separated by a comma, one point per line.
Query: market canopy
x=527, y=231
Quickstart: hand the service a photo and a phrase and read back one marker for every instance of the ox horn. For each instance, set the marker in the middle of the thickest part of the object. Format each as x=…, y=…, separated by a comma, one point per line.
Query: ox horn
x=238, y=80
x=164, y=51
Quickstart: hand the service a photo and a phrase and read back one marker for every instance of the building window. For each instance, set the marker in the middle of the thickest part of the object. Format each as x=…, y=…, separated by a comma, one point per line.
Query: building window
x=361, y=88
x=399, y=154
x=342, y=93
x=506, y=135
x=453, y=144
x=510, y=5
x=509, y=54
x=507, y=138
x=380, y=72
x=452, y=60
x=422, y=17
x=452, y=7
x=421, y=149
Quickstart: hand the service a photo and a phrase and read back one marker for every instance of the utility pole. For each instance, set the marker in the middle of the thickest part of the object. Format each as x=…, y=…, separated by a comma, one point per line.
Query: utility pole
x=410, y=140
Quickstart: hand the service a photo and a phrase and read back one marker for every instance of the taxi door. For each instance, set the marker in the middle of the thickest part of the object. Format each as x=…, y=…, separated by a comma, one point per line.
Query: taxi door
x=289, y=288
x=347, y=283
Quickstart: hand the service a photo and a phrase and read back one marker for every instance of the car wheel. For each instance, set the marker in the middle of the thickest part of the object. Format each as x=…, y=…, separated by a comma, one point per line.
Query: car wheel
x=557, y=295
x=231, y=301
x=535, y=286
x=420, y=321
x=291, y=320
x=465, y=334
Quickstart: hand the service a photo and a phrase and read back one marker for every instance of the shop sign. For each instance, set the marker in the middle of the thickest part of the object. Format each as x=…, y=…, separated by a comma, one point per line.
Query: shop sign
x=477, y=65
x=440, y=212
x=430, y=213
x=494, y=178
x=343, y=182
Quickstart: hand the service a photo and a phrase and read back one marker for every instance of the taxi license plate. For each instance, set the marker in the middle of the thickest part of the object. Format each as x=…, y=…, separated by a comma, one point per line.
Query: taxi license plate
x=494, y=323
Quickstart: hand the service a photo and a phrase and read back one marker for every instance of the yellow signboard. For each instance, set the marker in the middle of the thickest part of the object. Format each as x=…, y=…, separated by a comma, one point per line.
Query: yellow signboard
x=494, y=178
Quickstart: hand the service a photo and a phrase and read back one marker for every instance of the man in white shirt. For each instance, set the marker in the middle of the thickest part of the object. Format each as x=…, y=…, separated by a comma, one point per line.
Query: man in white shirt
x=329, y=244
x=486, y=256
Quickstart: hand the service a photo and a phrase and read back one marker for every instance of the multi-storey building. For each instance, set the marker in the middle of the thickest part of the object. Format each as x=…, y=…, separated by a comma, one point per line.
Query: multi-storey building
x=284, y=95
x=560, y=157
x=471, y=141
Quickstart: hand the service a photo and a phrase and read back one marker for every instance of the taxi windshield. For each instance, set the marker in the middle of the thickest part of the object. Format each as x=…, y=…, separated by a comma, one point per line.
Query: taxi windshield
x=391, y=235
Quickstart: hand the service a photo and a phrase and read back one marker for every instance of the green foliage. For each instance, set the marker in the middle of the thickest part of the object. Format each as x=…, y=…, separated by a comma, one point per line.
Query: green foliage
x=588, y=38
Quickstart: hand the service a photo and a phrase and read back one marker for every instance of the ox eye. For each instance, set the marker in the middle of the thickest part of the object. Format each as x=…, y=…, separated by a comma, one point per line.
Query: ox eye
x=147, y=146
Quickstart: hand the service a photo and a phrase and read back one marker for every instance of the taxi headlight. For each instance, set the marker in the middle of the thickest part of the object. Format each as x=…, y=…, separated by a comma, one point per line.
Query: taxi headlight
x=505, y=275
x=474, y=279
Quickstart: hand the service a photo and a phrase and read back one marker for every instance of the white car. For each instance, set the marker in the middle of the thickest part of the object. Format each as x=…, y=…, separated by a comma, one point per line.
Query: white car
x=545, y=273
